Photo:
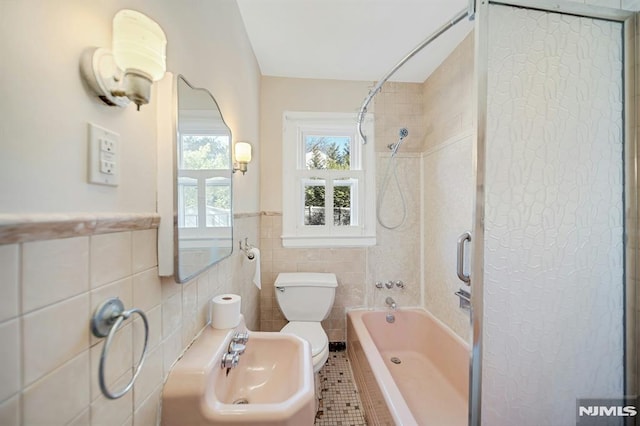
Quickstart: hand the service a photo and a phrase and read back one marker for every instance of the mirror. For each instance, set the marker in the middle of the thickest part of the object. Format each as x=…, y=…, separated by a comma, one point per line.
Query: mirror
x=203, y=215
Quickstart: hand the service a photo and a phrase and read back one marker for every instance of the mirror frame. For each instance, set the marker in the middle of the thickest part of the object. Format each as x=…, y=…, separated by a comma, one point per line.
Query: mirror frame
x=168, y=140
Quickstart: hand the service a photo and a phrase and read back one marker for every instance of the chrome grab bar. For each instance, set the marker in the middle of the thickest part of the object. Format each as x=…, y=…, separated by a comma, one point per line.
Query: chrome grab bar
x=460, y=262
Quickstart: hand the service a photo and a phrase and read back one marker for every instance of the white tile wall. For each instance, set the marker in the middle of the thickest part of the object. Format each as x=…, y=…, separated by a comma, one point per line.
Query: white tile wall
x=110, y=258
x=54, y=335
x=108, y=412
x=53, y=270
x=9, y=267
x=42, y=402
x=10, y=382
x=10, y=411
x=631, y=5
x=48, y=293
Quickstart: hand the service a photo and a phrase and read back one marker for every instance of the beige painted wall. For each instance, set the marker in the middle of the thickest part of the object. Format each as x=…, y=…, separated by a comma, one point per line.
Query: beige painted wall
x=444, y=102
x=44, y=115
x=290, y=94
x=49, y=288
x=397, y=254
x=279, y=94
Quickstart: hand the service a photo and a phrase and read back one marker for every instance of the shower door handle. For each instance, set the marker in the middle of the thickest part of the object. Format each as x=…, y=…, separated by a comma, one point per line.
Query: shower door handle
x=460, y=266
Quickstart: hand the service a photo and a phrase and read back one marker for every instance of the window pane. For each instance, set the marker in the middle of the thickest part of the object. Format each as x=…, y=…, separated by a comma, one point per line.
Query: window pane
x=342, y=205
x=218, y=195
x=202, y=152
x=187, y=202
x=327, y=152
x=314, y=204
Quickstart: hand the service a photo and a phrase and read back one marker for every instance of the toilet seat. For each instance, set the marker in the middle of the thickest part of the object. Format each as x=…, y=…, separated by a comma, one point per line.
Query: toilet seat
x=313, y=333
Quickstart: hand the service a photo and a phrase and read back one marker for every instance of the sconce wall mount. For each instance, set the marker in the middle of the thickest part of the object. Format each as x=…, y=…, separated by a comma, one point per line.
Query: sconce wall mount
x=138, y=59
x=242, y=153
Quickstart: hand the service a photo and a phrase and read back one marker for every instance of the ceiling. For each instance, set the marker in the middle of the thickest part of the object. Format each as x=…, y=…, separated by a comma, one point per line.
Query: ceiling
x=350, y=39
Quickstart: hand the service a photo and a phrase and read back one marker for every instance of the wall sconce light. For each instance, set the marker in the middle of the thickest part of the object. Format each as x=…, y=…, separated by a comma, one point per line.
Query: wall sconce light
x=138, y=59
x=242, y=152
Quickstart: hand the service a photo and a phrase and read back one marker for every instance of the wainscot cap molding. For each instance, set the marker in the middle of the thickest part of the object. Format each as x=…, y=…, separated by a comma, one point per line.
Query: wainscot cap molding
x=21, y=228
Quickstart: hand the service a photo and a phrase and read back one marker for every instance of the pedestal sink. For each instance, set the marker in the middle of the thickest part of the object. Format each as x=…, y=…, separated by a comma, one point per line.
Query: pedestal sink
x=271, y=385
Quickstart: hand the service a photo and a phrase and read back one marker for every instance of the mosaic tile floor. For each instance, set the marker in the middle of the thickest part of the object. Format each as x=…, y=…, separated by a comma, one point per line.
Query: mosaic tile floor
x=340, y=404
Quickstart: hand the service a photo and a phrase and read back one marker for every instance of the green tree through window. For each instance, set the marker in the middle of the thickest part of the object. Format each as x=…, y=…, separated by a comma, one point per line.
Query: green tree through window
x=205, y=153
x=322, y=153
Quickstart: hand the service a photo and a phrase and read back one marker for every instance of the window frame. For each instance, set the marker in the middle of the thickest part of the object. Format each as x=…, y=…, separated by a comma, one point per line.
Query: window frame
x=361, y=178
x=198, y=123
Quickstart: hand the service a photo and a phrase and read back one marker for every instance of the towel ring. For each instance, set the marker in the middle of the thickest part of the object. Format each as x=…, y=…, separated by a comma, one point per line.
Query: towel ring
x=106, y=321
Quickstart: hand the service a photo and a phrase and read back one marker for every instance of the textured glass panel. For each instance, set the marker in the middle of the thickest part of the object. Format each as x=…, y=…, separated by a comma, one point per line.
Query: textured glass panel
x=327, y=152
x=553, y=245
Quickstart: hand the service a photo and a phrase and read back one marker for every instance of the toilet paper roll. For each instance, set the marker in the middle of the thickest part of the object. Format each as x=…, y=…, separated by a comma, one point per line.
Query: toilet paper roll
x=224, y=311
x=254, y=257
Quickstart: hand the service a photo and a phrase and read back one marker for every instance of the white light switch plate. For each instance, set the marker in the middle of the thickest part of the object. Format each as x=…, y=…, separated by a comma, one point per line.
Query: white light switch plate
x=103, y=156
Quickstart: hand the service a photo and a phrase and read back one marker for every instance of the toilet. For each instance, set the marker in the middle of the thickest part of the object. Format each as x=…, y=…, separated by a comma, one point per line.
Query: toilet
x=305, y=299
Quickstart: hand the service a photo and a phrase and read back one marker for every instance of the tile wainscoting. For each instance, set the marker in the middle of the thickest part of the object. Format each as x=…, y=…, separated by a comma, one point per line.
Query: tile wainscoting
x=349, y=265
x=54, y=271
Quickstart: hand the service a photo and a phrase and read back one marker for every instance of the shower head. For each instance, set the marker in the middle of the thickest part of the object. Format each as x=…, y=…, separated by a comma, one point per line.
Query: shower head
x=403, y=133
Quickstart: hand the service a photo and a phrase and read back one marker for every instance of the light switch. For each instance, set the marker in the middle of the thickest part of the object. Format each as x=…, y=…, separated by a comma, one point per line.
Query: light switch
x=103, y=156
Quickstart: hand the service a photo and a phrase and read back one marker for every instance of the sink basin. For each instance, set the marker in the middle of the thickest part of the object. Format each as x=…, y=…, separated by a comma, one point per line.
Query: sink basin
x=272, y=384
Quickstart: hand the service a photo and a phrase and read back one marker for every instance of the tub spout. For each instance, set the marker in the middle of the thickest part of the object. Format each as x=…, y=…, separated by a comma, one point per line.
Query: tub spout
x=392, y=303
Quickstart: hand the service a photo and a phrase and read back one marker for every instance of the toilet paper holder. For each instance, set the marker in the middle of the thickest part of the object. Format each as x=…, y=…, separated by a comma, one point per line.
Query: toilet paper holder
x=106, y=321
x=247, y=248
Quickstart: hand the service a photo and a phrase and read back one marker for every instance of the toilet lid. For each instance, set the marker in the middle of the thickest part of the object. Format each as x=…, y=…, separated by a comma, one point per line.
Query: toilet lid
x=312, y=332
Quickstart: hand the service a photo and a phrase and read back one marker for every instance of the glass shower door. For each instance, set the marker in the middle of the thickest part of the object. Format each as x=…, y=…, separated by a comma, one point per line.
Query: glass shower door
x=549, y=237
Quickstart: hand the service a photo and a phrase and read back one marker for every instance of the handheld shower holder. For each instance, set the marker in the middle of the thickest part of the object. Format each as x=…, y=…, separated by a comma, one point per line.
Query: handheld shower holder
x=393, y=147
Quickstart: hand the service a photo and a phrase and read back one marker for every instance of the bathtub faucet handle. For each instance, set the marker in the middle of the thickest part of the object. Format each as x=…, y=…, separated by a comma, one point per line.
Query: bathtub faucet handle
x=389, y=284
x=392, y=303
x=399, y=284
x=379, y=284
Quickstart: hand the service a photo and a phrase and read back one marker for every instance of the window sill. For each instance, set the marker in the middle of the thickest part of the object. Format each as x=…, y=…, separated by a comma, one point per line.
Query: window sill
x=294, y=241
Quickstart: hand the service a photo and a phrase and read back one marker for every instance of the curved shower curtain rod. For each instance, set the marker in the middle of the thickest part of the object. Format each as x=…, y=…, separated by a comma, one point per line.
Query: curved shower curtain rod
x=469, y=11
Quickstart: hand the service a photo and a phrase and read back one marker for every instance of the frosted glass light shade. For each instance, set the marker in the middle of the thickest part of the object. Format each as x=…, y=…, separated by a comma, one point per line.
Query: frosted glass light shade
x=243, y=152
x=139, y=44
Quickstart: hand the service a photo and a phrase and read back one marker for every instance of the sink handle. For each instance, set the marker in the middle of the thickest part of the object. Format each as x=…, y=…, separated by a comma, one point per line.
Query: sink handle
x=241, y=337
x=237, y=348
x=230, y=360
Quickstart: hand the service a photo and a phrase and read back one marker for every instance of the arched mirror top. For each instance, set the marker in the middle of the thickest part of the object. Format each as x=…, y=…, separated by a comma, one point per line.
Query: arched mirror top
x=203, y=184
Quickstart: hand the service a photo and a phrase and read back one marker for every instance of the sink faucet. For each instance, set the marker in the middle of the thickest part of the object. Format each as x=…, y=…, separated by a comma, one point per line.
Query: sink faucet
x=392, y=303
x=237, y=346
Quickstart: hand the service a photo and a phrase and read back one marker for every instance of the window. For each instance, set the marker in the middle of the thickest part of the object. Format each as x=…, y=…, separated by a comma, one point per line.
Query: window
x=204, y=186
x=328, y=181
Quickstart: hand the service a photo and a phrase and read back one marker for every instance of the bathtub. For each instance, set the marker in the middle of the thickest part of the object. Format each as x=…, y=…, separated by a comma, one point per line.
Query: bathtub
x=429, y=385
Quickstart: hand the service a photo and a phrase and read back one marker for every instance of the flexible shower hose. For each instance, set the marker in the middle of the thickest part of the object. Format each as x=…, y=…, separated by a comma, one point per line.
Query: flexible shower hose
x=391, y=166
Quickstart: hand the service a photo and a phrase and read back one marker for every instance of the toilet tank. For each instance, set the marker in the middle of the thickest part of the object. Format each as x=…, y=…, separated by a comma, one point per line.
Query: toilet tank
x=305, y=296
